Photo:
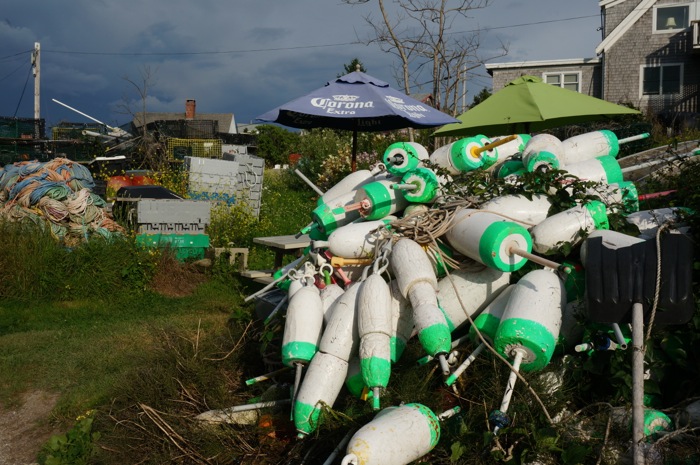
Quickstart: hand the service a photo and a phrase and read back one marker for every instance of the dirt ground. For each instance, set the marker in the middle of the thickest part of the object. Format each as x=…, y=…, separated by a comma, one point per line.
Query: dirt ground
x=25, y=428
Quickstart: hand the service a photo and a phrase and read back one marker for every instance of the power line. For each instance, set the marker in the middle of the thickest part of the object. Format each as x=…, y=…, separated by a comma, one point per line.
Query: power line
x=15, y=54
x=14, y=71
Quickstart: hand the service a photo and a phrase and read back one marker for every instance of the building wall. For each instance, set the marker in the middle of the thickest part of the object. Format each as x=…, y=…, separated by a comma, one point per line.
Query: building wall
x=590, y=76
x=638, y=46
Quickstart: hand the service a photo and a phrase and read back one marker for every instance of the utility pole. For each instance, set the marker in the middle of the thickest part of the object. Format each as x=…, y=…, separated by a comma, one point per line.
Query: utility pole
x=37, y=80
x=464, y=88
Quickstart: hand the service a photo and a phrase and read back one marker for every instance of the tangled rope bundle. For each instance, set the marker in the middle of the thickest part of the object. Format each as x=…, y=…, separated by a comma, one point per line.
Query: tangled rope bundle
x=58, y=192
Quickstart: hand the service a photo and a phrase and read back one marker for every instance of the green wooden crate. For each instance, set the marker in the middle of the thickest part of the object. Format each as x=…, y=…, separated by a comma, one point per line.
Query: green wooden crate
x=184, y=246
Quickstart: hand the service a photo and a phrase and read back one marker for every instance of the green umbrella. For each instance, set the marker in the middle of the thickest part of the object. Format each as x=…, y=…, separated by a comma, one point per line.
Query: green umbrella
x=527, y=105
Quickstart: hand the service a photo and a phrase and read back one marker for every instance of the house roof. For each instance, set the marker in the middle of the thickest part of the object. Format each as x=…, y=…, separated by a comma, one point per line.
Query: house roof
x=542, y=63
x=624, y=25
x=225, y=121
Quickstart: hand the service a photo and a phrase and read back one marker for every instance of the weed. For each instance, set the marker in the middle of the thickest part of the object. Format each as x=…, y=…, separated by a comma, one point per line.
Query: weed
x=75, y=447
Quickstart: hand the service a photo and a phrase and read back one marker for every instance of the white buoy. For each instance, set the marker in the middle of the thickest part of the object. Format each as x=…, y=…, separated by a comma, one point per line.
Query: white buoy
x=569, y=226
x=601, y=169
x=328, y=217
x=349, y=183
x=619, y=196
x=355, y=240
x=417, y=282
x=329, y=295
x=396, y=436
x=460, y=156
x=302, y=330
x=463, y=293
x=401, y=321
x=594, y=144
x=374, y=326
x=512, y=168
x=401, y=157
x=485, y=324
x=378, y=199
x=542, y=151
x=512, y=147
x=649, y=221
x=524, y=210
x=529, y=328
x=489, y=239
x=328, y=369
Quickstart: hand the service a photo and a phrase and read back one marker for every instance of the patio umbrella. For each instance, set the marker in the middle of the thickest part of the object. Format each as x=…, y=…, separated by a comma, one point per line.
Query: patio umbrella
x=356, y=102
x=527, y=104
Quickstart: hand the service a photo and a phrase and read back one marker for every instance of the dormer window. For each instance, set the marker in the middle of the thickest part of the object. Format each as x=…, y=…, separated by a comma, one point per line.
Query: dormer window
x=671, y=18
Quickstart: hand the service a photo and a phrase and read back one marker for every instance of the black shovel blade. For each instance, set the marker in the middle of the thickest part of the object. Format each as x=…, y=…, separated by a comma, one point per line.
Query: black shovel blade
x=618, y=278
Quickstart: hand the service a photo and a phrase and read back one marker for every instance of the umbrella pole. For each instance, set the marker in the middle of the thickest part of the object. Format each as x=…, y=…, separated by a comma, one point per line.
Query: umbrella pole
x=354, y=151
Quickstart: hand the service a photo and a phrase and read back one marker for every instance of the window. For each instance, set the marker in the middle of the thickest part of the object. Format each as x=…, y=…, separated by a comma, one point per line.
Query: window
x=569, y=81
x=671, y=18
x=661, y=80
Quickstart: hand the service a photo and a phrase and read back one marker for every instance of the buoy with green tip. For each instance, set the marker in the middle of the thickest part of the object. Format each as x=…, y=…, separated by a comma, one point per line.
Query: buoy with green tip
x=460, y=156
x=621, y=196
x=395, y=436
x=303, y=327
x=330, y=216
x=511, y=167
x=378, y=200
x=600, y=169
x=328, y=369
x=489, y=239
x=418, y=284
x=401, y=321
x=542, y=151
x=401, y=157
x=569, y=226
x=374, y=326
x=486, y=325
x=594, y=144
x=420, y=185
x=529, y=328
x=513, y=146
x=464, y=293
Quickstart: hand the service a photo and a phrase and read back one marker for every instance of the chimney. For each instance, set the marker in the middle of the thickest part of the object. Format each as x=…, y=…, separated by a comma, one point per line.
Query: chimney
x=190, y=105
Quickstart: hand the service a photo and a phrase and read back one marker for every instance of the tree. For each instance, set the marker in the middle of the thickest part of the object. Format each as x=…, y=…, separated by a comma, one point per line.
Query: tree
x=481, y=96
x=274, y=144
x=422, y=35
x=353, y=66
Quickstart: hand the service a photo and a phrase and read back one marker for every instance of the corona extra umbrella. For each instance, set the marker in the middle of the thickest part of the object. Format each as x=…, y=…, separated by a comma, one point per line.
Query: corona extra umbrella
x=527, y=104
x=356, y=102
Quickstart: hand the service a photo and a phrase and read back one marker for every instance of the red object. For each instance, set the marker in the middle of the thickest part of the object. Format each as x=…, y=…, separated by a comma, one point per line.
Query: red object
x=115, y=183
x=656, y=195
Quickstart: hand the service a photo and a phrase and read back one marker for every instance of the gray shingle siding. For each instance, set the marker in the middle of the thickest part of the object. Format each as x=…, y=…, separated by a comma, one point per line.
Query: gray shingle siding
x=590, y=76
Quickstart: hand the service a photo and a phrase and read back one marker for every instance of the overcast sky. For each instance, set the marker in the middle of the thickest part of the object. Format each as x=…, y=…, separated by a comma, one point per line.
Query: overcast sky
x=243, y=57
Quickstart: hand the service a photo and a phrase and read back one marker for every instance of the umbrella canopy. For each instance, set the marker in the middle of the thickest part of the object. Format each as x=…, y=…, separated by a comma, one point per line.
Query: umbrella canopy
x=356, y=102
x=528, y=104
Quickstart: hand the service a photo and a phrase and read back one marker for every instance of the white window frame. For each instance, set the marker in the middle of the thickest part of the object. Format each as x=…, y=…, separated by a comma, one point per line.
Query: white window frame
x=561, y=74
x=691, y=16
x=660, y=65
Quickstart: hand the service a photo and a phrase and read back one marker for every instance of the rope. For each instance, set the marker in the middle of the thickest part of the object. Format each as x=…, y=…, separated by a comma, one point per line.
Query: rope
x=657, y=290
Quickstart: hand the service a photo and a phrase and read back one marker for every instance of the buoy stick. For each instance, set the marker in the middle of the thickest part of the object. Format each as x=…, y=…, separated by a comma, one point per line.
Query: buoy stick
x=308, y=181
x=256, y=406
x=539, y=260
x=404, y=186
x=510, y=387
x=297, y=382
x=476, y=151
x=455, y=343
x=465, y=364
x=340, y=261
x=656, y=195
x=618, y=335
x=341, y=445
x=266, y=376
x=443, y=364
x=657, y=162
x=637, y=382
x=375, y=398
x=449, y=413
x=275, y=310
x=641, y=136
x=264, y=289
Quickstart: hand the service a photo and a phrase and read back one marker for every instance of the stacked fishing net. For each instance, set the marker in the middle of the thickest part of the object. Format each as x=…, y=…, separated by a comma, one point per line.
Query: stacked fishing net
x=58, y=194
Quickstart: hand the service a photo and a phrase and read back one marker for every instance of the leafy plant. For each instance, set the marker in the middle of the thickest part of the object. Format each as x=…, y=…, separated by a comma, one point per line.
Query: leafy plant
x=74, y=447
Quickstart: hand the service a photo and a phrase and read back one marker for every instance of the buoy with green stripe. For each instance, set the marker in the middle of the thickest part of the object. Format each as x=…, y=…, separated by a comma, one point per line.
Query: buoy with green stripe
x=395, y=436
x=303, y=327
x=600, y=169
x=401, y=321
x=463, y=294
x=418, y=284
x=328, y=369
x=594, y=144
x=486, y=325
x=512, y=167
x=377, y=199
x=514, y=146
x=328, y=217
x=622, y=196
x=529, y=329
x=462, y=155
x=402, y=157
x=420, y=185
x=543, y=151
x=374, y=314
x=569, y=226
x=489, y=239
x=527, y=211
